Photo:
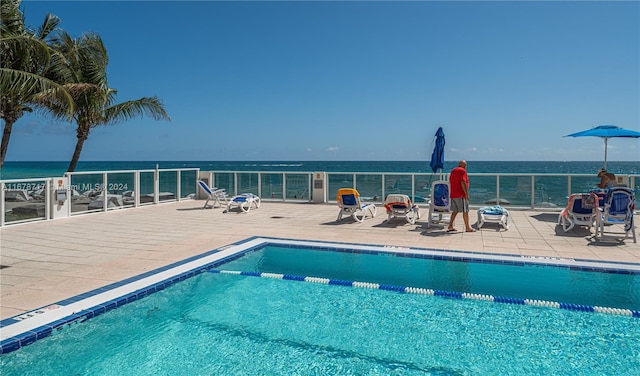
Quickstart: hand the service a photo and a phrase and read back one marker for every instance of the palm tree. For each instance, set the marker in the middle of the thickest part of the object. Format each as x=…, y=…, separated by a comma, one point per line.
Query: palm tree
x=24, y=59
x=86, y=57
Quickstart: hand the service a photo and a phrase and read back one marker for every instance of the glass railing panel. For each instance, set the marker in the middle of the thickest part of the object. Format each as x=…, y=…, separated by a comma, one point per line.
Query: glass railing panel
x=120, y=188
x=297, y=186
x=370, y=187
x=483, y=190
x=86, y=192
x=515, y=190
x=400, y=184
x=248, y=182
x=551, y=191
x=225, y=180
x=147, y=187
x=337, y=181
x=583, y=184
x=271, y=185
x=422, y=187
x=24, y=201
x=168, y=189
x=188, y=183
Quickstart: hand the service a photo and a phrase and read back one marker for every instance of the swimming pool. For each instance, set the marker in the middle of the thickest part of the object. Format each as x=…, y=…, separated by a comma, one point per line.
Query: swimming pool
x=222, y=319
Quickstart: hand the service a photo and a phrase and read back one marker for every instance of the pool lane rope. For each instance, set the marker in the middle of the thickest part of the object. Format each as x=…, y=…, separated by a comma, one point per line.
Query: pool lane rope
x=441, y=293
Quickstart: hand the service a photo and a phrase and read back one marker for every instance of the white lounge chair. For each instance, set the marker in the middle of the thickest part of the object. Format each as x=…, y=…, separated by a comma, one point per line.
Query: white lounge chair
x=618, y=209
x=244, y=201
x=439, y=203
x=398, y=205
x=217, y=195
x=581, y=210
x=493, y=214
x=349, y=202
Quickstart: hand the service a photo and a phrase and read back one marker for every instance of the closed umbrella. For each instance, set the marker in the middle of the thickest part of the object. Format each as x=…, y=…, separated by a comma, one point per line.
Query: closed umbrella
x=606, y=132
x=437, y=157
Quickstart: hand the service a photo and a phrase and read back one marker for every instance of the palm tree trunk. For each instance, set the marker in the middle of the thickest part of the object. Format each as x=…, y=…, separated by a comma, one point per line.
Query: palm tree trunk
x=6, y=134
x=82, y=136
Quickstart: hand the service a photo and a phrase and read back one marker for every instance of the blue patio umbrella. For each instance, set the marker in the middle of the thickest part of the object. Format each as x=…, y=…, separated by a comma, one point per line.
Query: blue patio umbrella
x=606, y=132
x=437, y=157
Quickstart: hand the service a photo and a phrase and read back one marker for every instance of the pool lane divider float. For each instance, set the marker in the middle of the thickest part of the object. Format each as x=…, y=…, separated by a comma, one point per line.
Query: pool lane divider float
x=441, y=293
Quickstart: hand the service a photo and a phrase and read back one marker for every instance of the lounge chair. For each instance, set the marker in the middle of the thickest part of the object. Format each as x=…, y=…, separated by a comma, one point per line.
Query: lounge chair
x=618, y=209
x=244, y=201
x=439, y=203
x=349, y=201
x=581, y=210
x=217, y=195
x=493, y=214
x=398, y=205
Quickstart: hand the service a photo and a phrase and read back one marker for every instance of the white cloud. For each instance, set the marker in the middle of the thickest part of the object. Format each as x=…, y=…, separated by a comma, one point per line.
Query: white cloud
x=332, y=148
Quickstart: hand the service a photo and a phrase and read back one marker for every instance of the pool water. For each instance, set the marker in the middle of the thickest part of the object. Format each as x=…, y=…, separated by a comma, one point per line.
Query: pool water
x=238, y=325
x=525, y=280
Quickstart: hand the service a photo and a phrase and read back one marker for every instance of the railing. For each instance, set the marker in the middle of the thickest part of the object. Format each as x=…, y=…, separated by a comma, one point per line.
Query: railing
x=28, y=200
x=279, y=186
x=526, y=191
x=33, y=199
x=103, y=191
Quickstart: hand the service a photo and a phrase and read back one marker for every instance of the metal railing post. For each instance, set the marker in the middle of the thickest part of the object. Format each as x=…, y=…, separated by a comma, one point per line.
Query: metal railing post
x=136, y=189
x=533, y=191
x=47, y=198
x=105, y=192
x=1, y=204
x=259, y=184
x=156, y=186
x=413, y=187
x=383, y=187
x=178, y=186
x=235, y=183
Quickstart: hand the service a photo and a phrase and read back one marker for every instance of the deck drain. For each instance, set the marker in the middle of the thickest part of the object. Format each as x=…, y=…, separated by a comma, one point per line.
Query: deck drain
x=4, y=266
x=277, y=217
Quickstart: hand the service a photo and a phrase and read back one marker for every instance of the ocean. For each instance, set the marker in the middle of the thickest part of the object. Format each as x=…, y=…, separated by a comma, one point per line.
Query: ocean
x=27, y=170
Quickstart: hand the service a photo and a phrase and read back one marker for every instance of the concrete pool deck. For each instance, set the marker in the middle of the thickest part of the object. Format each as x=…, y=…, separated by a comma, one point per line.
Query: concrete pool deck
x=45, y=262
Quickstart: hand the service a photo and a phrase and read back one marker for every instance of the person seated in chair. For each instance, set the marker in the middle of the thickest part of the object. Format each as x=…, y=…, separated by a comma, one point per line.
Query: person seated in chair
x=607, y=179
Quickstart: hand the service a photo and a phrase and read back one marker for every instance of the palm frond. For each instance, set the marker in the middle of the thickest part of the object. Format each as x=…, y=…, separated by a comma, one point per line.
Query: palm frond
x=30, y=87
x=49, y=25
x=146, y=106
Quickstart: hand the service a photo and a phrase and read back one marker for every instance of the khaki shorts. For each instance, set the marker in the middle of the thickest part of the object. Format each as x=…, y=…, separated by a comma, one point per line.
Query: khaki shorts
x=459, y=205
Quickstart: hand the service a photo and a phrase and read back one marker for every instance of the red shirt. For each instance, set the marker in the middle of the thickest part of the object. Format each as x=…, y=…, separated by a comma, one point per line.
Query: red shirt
x=457, y=176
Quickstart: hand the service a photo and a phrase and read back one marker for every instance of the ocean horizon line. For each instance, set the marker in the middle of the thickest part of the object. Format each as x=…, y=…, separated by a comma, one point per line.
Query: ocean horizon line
x=310, y=160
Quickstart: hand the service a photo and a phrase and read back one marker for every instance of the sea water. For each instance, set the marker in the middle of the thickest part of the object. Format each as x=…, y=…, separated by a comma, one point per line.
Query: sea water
x=25, y=170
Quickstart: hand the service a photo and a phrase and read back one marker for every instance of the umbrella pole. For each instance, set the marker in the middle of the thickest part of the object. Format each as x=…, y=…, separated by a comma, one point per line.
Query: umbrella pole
x=605, y=152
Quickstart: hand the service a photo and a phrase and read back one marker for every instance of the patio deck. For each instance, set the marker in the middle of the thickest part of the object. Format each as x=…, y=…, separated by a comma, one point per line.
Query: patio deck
x=45, y=262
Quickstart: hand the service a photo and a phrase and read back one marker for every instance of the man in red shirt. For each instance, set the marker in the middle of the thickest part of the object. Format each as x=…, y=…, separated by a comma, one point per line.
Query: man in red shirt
x=459, y=181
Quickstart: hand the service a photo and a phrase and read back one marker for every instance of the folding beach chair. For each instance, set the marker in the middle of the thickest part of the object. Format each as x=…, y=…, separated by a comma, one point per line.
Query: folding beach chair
x=217, y=195
x=349, y=202
x=398, y=205
x=581, y=210
x=493, y=214
x=439, y=203
x=618, y=209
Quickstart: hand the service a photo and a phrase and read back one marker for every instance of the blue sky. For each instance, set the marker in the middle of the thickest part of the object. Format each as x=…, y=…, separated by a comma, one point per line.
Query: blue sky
x=355, y=80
